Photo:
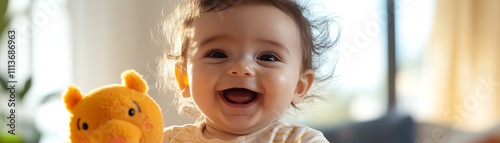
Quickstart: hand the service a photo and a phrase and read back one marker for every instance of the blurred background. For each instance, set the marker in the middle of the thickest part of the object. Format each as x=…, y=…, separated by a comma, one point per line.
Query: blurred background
x=407, y=70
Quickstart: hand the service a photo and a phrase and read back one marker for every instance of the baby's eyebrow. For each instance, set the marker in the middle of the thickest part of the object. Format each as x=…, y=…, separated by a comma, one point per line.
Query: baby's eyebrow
x=222, y=37
x=276, y=44
x=213, y=38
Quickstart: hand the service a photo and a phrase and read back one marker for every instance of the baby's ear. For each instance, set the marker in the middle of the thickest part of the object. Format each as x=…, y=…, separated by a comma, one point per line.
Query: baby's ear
x=306, y=79
x=134, y=80
x=182, y=80
x=71, y=97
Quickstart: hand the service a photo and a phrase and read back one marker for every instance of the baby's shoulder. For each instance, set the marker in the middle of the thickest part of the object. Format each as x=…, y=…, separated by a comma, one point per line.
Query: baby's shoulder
x=180, y=133
x=180, y=128
x=283, y=132
x=281, y=127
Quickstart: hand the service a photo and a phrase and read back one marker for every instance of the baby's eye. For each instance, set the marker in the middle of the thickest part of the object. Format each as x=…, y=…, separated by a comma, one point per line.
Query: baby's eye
x=216, y=54
x=268, y=57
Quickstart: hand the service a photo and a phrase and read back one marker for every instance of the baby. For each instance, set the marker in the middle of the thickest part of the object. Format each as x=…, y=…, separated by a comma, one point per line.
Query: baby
x=240, y=65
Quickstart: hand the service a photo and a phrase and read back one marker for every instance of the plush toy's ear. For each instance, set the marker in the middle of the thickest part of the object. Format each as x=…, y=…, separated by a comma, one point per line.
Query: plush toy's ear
x=71, y=97
x=134, y=80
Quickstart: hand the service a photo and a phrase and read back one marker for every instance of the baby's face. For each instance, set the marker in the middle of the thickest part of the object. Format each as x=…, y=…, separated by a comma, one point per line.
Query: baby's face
x=244, y=69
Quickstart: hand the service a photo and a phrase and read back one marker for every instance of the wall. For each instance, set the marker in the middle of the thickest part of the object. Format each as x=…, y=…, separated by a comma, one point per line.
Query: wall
x=114, y=35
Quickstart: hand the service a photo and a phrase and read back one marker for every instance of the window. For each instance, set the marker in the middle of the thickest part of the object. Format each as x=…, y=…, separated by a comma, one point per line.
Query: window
x=358, y=90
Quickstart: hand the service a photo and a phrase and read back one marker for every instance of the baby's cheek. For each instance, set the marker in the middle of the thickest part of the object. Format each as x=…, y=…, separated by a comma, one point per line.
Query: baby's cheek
x=285, y=82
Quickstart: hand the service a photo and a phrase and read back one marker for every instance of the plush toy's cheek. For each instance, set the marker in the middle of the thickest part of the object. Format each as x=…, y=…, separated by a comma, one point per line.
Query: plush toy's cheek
x=78, y=135
x=80, y=138
x=147, y=124
x=83, y=141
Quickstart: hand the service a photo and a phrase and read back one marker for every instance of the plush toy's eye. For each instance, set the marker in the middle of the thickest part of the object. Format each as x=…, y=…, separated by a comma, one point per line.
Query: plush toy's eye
x=131, y=112
x=85, y=126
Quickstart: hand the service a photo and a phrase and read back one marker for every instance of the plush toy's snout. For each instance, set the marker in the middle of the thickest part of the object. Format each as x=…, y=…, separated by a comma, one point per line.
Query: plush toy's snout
x=116, y=131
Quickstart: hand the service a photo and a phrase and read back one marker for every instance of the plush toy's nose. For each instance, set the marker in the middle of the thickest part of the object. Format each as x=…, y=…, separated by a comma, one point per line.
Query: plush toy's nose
x=116, y=131
x=118, y=139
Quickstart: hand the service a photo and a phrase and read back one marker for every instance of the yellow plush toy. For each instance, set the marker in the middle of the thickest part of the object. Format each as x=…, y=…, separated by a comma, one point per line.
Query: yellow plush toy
x=115, y=113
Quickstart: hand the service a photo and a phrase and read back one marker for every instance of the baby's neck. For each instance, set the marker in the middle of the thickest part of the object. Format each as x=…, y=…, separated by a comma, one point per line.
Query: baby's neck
x=213, y=133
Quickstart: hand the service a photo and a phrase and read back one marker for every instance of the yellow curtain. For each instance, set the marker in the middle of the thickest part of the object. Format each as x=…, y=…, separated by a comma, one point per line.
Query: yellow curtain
x=463, y=61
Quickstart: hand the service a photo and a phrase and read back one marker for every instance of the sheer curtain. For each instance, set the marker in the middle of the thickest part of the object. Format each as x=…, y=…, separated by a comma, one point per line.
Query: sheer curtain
x=463, y=64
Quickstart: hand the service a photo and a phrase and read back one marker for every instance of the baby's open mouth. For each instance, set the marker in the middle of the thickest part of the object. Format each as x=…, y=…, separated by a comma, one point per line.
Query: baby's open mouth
x=239, y=95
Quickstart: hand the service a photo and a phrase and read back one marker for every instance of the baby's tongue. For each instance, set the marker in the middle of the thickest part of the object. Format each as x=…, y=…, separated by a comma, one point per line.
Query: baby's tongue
x=239, y=95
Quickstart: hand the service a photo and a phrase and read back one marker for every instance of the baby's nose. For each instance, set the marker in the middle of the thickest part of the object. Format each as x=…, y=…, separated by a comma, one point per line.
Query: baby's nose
x=241, y=69
x=241, y=72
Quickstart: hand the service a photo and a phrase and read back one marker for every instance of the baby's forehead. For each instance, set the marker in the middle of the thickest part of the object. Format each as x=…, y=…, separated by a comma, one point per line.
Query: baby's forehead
x=260, y=20
x=219, y=5
x=243, y=9
x=261, y=17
